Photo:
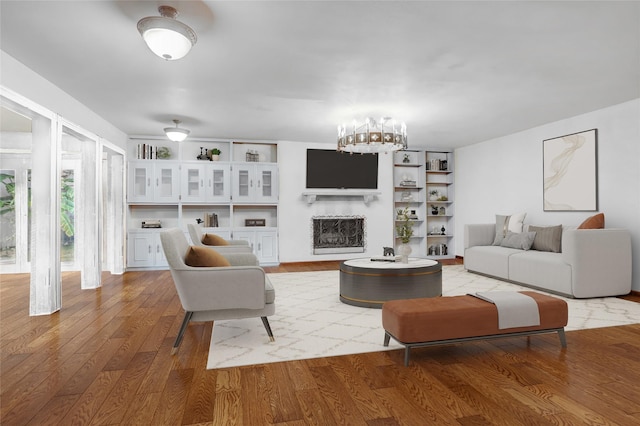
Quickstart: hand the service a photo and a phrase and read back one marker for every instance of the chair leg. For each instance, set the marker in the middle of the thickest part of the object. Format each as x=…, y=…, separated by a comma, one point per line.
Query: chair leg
x=265, y=321
x=183, y=328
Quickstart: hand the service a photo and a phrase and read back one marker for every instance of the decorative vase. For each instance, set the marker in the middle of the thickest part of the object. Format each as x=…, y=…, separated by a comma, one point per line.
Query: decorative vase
x=404, y=250
x=215, y=157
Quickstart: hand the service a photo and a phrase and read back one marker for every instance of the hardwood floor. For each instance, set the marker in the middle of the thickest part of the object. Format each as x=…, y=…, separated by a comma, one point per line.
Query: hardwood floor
x=105, y=359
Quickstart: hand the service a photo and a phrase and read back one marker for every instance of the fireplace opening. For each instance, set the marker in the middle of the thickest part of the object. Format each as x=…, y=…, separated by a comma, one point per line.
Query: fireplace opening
x=338, y=234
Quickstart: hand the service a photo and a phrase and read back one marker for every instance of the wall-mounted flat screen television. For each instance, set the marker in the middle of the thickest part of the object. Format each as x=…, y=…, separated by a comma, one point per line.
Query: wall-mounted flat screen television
x=331, y=169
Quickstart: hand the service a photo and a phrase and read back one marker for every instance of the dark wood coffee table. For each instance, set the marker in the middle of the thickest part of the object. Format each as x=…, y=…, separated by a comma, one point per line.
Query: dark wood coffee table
x=369, y=284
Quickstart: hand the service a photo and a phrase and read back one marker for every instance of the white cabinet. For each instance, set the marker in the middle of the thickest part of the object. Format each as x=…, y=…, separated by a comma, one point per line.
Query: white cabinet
x=264, y=243
x=157, y=182
x=255, y=183
x=206, y=182
x=144, y=249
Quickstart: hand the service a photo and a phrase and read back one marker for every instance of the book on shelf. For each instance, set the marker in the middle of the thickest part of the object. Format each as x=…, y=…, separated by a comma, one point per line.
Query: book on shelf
x=210, y=220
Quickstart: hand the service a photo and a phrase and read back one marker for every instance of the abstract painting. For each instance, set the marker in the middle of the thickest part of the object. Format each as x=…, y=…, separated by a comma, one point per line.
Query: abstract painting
x=570, y=171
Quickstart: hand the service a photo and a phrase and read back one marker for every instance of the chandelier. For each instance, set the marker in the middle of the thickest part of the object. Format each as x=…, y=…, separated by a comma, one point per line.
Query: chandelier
x=373, y=136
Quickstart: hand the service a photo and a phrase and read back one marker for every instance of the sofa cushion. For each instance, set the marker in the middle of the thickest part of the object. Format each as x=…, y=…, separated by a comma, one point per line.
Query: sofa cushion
x=214, y=240
x=490, y=260
x=199, y=256
x=593, y=222
x=508, y=223
x=541, y=269
x=521, y=240
x=548, y=238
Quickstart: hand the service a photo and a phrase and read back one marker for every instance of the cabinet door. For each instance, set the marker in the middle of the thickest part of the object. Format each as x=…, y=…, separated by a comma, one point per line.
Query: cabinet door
x=167, y=182
x=193, y=188
x=243, y=182
x=248, y=236
x=267, y=246
x=266, y=183
x=159, y=257
x=140, y=181
x=217, y=182
x=141, y=249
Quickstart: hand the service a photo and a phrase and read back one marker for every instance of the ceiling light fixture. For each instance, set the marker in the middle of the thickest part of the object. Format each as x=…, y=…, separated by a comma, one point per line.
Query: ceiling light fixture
x=373, y=136
x=176, y=134
x=166, y=37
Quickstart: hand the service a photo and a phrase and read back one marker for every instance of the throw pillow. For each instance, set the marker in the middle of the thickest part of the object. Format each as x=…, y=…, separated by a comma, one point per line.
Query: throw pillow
x=505, y=224
x=518, y=240
x=548, y=238
x=593, y=222
x=214, y=240
x=204, y=257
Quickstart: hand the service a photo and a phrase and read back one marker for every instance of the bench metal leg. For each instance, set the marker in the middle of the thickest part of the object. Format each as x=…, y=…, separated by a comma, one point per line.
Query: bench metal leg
x=386, y=339
x=265, y=321
x=563, y=338
x=406, y=355
x=183, y=328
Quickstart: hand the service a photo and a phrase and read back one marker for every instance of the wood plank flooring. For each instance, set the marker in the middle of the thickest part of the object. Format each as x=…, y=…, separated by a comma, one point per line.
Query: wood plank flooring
x=105, y=359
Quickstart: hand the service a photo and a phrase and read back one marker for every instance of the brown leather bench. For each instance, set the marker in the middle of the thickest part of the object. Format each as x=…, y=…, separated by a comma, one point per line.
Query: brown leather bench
x=439, y=320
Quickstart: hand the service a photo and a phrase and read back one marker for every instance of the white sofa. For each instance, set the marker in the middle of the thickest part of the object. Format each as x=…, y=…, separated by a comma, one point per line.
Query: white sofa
x=592, y=262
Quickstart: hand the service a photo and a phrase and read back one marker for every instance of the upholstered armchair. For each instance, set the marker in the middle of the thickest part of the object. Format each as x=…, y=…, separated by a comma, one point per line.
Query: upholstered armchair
x=228, y=246
x=212, y=293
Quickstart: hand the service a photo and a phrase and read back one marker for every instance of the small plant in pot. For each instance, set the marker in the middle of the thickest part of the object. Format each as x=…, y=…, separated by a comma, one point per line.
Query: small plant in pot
x=433, y=195
x=404, y=231
x=215, y=154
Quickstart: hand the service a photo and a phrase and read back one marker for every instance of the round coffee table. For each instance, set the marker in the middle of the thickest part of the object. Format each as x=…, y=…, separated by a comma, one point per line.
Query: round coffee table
x=369, y=284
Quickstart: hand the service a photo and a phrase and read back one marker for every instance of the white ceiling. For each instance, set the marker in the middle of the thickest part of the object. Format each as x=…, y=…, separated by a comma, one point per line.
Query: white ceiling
x=457, y=72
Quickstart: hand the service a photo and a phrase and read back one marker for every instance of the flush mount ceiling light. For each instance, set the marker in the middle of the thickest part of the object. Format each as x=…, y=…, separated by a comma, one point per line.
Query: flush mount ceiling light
x=373, y=136
x=166, y=37
x=176, y=134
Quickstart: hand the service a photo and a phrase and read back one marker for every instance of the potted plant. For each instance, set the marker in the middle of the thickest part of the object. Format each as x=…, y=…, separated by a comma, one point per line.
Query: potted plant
x=404, y=231
x=215, y=154
x=433, y=195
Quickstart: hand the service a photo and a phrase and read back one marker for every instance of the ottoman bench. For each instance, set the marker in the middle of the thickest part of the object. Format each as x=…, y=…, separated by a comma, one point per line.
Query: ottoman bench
x=432, y=321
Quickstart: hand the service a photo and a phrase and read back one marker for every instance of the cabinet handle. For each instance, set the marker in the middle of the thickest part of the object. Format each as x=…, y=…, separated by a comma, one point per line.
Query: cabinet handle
x=201, y=183
x=148, y=181
x=209, y=183
x=251, y=183
x=258, y=183
x=157, y=181
x=259, y=246
x=149, y=249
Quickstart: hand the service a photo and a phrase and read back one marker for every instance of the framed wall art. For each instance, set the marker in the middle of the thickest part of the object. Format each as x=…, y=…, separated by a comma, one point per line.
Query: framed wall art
x=570, y=172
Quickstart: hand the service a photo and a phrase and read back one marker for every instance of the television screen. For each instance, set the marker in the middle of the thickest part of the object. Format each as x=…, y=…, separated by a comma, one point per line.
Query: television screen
x=336, y=170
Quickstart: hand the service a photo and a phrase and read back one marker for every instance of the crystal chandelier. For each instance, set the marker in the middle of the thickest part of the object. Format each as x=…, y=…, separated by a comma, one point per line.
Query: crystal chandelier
x=373, y=136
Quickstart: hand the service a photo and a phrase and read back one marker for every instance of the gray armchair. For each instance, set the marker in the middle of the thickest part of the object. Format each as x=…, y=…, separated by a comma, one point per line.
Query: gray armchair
x=218, y=293
x=235, y=246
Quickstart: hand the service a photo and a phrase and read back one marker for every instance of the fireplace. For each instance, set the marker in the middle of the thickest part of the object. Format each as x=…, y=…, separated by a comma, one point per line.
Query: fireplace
x=338, y=234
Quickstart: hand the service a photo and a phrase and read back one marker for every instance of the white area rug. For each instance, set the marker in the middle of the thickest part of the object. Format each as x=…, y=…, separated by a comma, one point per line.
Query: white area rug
x=311, y=322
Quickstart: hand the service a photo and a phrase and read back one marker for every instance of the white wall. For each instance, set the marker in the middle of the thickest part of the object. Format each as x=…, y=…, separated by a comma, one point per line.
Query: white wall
x=504, y=175
x=25, y=82
x=295, y=214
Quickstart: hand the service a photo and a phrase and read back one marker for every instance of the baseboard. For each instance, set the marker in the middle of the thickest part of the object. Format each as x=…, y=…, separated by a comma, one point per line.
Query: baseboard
x=635, y=293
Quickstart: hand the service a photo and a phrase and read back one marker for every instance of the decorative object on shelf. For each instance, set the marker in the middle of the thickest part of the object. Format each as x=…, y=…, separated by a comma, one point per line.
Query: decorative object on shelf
x=442, y=230
x=151, y=223
x=203, y=155
x=372, y=136
x=434, y=195
x=434, y=230
x=434, y=210
x=388, y=251
x=252, y=156
x=167, y=37
x=163, y=152
x=215, y=154
x=406, y=159
x=442, y=211
x=406, y=196
x=443, y=198
x=199, y=221
x=436, y=165
x=255, y=222
x=413, y=215
x=176, y=134
x=438, y=250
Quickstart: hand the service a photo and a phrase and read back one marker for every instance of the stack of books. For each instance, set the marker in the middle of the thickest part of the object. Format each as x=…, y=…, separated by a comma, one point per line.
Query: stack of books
x=210, y=220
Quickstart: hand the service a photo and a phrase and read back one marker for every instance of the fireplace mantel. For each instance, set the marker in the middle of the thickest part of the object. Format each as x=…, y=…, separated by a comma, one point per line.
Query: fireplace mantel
x=367, y=196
